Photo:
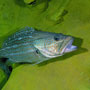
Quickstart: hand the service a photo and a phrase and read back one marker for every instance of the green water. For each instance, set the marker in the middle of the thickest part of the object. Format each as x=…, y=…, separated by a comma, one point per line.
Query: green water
x=69, y=72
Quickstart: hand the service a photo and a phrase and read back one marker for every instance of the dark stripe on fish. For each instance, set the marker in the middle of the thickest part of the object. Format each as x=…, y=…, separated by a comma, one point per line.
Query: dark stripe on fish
x=19, y=49
x=20, y=53
x=22, y=32
x=16, y=46
x=27, y=35
x=19, y=39
x=18, y=36
x=26, y=57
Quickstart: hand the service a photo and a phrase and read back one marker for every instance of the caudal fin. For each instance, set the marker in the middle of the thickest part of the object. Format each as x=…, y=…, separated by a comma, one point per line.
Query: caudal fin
x=6, y=69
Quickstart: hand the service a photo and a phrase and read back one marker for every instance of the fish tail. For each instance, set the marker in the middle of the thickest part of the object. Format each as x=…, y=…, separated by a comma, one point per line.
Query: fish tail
x=3, y=63
x=6, y=69
x=4, y=66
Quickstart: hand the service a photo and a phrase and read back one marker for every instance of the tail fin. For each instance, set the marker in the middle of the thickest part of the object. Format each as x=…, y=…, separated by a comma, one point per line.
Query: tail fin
x=3, y=62
x=7, y=70
x=5, y=67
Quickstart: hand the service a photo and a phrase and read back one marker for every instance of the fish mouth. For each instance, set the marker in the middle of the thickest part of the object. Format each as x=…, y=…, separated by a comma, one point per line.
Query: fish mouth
x=69, y=47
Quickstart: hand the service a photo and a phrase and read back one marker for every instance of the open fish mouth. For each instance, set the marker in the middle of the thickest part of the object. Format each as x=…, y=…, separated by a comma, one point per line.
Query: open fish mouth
x=69, y=47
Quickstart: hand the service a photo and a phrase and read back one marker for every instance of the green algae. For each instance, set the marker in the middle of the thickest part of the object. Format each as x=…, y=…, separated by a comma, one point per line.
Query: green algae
x=69, y=72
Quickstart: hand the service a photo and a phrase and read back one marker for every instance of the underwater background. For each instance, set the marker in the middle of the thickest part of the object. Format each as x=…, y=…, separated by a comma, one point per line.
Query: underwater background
x=70, y=17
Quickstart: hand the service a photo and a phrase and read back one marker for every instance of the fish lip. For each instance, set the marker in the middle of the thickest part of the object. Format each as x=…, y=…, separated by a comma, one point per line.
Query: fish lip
x=69, y=47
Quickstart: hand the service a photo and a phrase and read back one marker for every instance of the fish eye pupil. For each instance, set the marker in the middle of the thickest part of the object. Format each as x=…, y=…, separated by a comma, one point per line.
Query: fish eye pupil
x=56, y=38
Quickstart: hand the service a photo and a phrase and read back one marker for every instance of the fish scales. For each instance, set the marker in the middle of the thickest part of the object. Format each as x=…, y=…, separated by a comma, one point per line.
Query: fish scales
x=24, y=36
x=18, y=42
x=17, y=37
x=19, y=49
x=23, y=56
x=29, y=45
x=27, y=55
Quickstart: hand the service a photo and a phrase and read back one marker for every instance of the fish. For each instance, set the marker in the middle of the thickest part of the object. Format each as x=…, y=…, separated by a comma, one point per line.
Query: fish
x=33, y=46
x=30, y=45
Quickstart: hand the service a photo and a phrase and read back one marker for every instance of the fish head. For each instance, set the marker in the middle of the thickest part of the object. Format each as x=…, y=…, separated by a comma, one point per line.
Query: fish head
x=56, y=45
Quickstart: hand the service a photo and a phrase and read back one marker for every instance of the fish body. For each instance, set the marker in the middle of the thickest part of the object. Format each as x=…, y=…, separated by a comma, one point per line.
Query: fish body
x=34, y=46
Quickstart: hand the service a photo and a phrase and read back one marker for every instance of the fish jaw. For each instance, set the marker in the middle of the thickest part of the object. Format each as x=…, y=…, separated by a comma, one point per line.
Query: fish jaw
x=69, y=47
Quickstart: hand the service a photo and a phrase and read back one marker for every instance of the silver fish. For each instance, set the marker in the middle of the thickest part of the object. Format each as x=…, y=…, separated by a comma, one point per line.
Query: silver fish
x=34, y=46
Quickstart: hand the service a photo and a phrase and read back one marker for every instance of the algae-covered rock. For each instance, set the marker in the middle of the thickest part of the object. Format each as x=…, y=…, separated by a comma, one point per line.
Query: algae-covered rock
x=69, y=72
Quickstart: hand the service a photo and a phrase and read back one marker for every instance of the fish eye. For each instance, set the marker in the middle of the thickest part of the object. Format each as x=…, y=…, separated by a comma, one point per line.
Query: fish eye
x=56, y=38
